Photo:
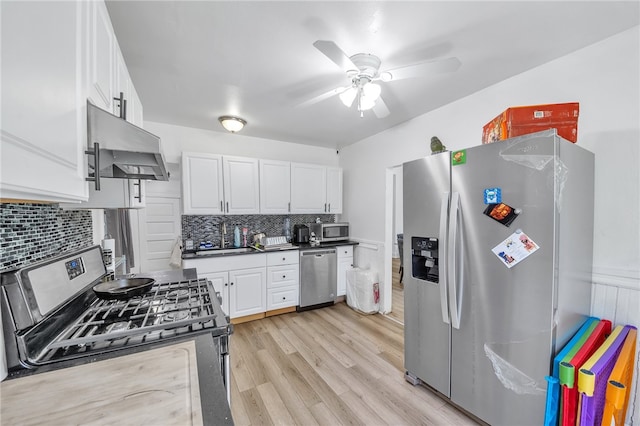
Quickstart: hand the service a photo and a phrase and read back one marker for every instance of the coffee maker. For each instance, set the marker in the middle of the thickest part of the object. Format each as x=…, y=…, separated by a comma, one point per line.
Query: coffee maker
x=300, y=234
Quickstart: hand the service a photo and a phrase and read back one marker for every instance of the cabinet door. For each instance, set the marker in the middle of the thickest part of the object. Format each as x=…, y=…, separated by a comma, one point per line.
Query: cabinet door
x=122, y=84
x=134, y=107
x=220, y=281
x=308, y=188
x=202, y=190
x=344, y=264
x=43, y=103
x=334, y=190
x=101, y=57
x=241, y=185
x=275, y=187
x=247, y=292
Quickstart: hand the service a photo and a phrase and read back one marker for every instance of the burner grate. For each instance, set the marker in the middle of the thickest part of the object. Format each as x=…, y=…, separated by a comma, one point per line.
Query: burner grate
x=165, y=307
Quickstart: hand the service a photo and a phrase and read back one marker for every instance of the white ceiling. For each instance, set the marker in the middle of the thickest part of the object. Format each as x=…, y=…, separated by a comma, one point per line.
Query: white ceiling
x=192, y=61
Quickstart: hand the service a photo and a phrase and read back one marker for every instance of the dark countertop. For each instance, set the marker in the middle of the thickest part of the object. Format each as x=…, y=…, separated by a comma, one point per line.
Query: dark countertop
x=307, y=246
x=193, y=254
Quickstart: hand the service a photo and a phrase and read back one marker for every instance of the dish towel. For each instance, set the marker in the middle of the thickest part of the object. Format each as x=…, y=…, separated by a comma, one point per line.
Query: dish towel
x=176, y=254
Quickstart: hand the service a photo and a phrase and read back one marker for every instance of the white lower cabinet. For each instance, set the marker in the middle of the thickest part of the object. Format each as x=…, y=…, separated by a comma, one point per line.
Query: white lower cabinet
x=345, y=263
x=220, y=281
x=247, y=292
x=283, y=279
x=252, y=283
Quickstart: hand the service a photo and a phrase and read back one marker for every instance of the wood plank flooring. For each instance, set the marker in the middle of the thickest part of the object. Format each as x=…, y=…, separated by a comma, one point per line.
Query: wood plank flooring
x=328, y=366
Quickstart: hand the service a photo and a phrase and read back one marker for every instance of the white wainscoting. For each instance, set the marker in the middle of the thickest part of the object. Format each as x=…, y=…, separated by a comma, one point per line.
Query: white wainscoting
x=616, y=296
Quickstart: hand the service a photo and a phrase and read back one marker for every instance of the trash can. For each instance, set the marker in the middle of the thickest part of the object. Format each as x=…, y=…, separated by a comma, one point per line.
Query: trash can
x=363, y=290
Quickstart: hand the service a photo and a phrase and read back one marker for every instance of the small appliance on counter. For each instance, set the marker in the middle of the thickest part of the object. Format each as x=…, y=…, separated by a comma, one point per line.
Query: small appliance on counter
x=300, y=234
x=326, y=232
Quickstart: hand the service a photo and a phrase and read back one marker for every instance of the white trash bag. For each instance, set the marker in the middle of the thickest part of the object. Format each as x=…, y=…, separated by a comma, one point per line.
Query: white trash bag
x=363, y=290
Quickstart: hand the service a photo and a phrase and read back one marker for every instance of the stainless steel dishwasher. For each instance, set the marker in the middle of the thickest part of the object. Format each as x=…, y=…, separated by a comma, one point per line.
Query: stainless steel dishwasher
x=318, y=278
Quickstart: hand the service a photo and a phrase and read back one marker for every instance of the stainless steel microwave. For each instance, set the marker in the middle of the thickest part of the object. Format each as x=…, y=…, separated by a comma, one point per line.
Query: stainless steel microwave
x=330, y=231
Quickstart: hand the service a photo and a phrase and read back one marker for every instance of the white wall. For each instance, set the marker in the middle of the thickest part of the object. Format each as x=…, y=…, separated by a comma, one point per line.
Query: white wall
x=605, y=79
x=176, y=139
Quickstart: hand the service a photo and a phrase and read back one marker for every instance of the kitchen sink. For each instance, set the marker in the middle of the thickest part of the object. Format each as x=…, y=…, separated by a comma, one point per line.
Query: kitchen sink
x=225, y=251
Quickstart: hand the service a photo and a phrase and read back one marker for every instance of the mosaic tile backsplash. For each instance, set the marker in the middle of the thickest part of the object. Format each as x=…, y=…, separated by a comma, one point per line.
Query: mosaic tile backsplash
x=30, y=232
x=207, y=228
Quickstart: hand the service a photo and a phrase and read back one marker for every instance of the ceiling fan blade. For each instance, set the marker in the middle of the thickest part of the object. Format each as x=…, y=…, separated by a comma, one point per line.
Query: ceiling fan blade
x=321, y=97
x=333, y=52
x=380, y=109
x=424, y=69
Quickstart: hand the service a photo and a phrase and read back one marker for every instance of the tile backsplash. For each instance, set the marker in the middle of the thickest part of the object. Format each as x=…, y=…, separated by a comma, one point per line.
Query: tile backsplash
x=30, y=232
x=207, y=228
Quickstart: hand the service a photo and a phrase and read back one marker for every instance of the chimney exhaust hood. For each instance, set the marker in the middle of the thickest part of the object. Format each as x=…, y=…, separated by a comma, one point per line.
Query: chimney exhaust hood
x=122, y=150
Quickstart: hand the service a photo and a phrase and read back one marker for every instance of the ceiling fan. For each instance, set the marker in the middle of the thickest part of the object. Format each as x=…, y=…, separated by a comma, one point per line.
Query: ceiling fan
x=363, y=72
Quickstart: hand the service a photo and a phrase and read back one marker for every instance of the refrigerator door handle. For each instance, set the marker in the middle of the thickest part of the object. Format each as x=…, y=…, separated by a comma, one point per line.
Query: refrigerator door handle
x=452, y=246
x=442, y=256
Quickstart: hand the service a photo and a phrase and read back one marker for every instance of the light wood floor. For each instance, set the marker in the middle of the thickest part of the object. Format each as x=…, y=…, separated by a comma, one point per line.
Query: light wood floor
x=328, y=366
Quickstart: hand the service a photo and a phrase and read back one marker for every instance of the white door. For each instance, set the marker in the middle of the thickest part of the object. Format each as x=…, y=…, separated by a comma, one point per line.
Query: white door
x=247, y=292
x=159, y=227
x=275, y=187
x=220, y=281
x=241, y=185
x=202, y=189
x=334, y=190
x=308, y=188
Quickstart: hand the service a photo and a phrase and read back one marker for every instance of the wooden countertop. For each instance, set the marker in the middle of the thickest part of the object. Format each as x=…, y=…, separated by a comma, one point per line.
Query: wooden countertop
x=158, y=386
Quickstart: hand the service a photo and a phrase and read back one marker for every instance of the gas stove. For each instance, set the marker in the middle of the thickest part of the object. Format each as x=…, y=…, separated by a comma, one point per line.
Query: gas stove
x=52, y=315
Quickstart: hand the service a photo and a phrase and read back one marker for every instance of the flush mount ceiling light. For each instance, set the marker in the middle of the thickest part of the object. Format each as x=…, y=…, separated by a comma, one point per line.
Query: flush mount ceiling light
x=231, y=123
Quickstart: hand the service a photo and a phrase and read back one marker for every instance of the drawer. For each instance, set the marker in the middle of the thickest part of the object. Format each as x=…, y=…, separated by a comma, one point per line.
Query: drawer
x=282, y=297
x=285, y=257
x=344, y=251
x=279, y=276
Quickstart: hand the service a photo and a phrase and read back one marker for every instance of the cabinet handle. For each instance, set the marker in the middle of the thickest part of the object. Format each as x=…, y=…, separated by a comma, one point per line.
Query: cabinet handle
x=226, y=284
x=283, y=259
x=284, y=276
x=284, y=298
x=123, y=106
x=289, y=207
x=221, y=207
x=96, y=164
x=325, y=207
x=231, y=283
x=139, y=196
x=329, y=207
x=227, y=207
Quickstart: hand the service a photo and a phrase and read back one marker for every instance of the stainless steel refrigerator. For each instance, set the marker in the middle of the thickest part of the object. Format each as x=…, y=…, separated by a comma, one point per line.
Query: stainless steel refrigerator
x=498, y=255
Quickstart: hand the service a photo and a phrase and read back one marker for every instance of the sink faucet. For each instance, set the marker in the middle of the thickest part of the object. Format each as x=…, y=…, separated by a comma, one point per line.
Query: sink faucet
x=223, y=231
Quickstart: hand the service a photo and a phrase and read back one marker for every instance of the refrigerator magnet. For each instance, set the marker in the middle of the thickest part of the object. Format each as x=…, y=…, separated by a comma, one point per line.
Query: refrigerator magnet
x=492, y=196
x=502, y=213
x=458, y=157
x=515, y=249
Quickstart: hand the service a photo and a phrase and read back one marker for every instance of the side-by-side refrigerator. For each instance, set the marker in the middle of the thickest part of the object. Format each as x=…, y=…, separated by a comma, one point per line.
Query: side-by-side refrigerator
x=498, y=243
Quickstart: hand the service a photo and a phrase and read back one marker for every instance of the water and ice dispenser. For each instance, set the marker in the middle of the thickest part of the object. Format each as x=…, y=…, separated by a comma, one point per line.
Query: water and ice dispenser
x=424, y=258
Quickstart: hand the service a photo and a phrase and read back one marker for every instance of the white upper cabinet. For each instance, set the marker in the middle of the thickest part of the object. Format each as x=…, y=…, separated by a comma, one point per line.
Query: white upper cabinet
x=213, y=184
x=241, y=185
x=334, y=190
x=102, y=42
x=43, y=111
x=275, y=187
x=202, y=188
x=308, y=188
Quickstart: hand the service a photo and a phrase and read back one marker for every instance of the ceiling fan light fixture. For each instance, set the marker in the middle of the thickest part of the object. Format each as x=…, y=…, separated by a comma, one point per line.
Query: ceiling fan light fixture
x=232, y=123
x=371, y=91
x=348, y=96
x=386, y=76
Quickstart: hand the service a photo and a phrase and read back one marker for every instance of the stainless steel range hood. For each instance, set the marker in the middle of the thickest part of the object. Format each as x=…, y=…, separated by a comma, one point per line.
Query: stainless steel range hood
x=121, y=149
